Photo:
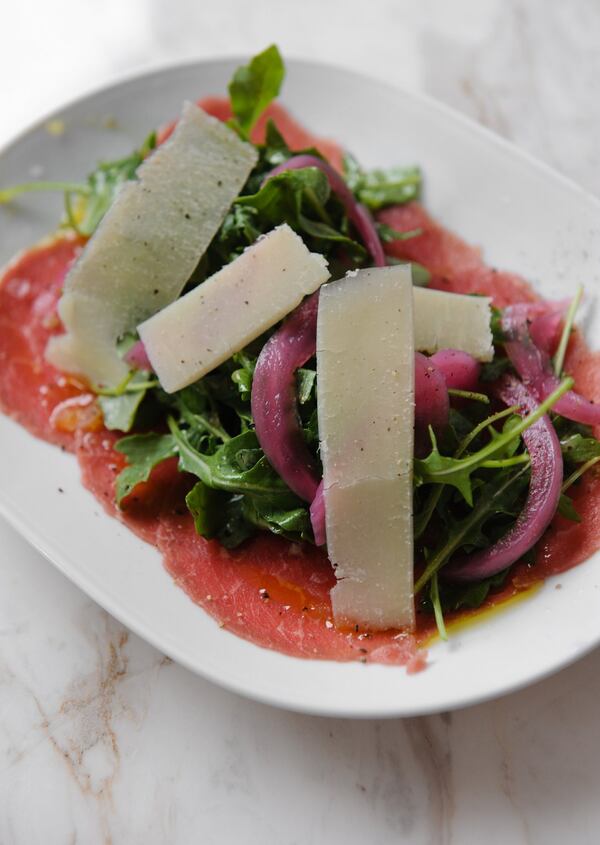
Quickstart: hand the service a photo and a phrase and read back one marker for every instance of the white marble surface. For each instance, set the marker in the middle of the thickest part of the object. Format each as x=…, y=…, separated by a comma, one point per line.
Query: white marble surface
x=102, y=738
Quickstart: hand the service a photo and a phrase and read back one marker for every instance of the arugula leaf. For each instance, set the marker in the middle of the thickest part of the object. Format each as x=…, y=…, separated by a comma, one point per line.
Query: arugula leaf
x=120, y=408
x=439, y=469
x=119, y=412
x=454, y=597
x=420, y=275
x=306, y=381
x=454, y=471
x=235, y=527
x=103, y=186
x=491, y=499
x=379, y=188
x=567, y=509
x=207, y=508
x=267, y=513
x=275, y=149
x=143, y=453
x=240, y=228
x=578, y=449
x=301, y=198
x=389, y=235
x=238, y=466
x=254, y=86
x=283, y=198
x=510, y=448
x=262, y=500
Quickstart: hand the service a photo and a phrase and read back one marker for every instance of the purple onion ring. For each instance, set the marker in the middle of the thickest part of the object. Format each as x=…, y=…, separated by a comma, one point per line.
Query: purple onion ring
x=534, y=367
x=431, y=396
x=138, y=357
x=274, y=400
x=542, y=500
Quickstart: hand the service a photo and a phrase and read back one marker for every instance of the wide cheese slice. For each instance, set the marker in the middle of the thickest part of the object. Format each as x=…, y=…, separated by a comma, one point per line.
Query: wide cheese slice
x=149, y=242
x=453, y=321
x=365, y=366
x=205, y=327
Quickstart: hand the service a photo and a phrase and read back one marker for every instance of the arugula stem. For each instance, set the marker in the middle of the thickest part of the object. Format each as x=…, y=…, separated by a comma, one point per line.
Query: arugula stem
x=422, y=523
x=119, y=390
x=200, y=421
x=317, y=207
x=487, y=422
x=453, y=542
x=477, y=458
x=434, y=497
x=579, y=472
x=559, y=358
x=136, y=387
x=9, y=194
x=506, y=462
x=469, y=394
x=437, y=607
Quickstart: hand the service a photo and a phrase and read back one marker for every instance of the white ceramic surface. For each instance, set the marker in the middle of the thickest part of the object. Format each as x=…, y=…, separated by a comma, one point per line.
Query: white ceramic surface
x=527, y=219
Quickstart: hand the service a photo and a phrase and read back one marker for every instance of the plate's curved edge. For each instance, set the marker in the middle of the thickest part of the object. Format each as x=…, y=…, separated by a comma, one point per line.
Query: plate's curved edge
x=41, y=546
x=417, y=97
x=392, y=711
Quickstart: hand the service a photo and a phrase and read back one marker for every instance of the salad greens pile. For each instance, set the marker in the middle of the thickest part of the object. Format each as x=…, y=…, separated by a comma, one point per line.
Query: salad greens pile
x=471, y=485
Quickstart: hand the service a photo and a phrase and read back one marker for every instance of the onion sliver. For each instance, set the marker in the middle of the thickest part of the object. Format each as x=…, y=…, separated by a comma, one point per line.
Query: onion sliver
x=138, y=357
x=358, y=213
x=431, y=396
x=274, y=400
x=545, y=331
x=460, y=370
x=534, y=367
x=542, y=500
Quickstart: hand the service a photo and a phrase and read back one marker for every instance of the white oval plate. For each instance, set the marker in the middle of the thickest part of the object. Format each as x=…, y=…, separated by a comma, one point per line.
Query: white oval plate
x=526, y=217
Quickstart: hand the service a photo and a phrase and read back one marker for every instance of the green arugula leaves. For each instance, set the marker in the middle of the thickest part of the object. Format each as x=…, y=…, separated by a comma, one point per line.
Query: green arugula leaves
x=468, y=489
x=578, y=448
x=379, y=188
x=302, y=199
x=143, y=453
x=85, y=213
x=254, y=86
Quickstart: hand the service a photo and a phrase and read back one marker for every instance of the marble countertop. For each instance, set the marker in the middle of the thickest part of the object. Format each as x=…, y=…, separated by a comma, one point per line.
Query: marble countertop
x=105, y=740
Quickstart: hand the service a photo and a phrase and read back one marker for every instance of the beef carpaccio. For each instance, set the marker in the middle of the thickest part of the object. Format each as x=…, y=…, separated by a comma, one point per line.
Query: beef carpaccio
x=269, y=590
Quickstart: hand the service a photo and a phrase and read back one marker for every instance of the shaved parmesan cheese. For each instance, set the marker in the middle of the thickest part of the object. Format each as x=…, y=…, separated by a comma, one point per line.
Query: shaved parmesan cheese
x=149, y=242
x=365, y=366
x=205, y=327
x=453, y=321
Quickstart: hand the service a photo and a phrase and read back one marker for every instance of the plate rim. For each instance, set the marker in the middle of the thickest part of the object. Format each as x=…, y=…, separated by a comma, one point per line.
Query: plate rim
x=388, y=710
